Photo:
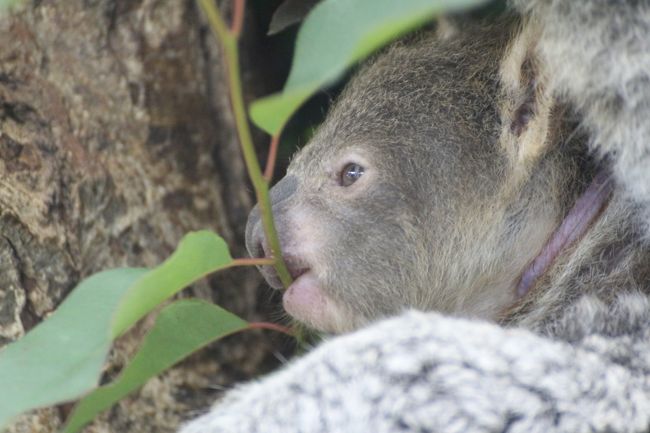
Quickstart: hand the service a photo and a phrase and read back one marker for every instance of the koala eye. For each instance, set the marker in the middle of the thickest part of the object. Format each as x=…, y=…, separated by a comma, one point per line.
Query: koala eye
x=351, y=173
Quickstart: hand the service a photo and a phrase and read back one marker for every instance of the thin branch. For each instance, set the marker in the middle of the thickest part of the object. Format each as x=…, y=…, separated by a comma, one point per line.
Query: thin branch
x=272, y=327
x=237, y=18
x=229, y=43
x=252, y=262
x=217, y=24
x=270, y=160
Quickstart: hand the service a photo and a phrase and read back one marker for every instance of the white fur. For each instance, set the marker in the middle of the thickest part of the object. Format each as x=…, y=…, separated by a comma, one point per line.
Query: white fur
x=429, y=373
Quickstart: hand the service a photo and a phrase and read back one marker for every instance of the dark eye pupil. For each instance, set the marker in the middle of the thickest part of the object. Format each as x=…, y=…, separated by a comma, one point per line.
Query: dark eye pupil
x=351, y=172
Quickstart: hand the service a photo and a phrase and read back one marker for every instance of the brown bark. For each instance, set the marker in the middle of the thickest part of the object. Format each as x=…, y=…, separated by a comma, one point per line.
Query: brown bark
x=116, y=139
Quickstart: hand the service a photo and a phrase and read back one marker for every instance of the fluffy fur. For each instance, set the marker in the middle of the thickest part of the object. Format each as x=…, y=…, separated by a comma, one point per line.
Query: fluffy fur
x=598, y=53
x=429, y=373
x=574, y=356
x=469, y=167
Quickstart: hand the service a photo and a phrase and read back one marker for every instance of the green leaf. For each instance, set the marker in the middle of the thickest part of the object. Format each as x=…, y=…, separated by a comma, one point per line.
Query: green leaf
x=7, y=4
x=180, y=329
x=337, y=34
x=62, y=358
x=198, y=254
x=290, y=12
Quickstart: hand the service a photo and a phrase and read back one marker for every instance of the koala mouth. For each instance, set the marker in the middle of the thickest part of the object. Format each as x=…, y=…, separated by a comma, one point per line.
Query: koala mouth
x=297, y=272
x=296, y=267
x=305, y=299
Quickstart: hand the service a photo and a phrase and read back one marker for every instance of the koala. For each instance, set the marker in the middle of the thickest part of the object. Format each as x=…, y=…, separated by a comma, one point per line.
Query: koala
x=474, y=214
x=438, y=186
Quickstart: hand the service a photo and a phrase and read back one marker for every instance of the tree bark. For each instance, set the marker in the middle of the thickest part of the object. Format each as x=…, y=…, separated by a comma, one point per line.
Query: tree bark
x=116, y=138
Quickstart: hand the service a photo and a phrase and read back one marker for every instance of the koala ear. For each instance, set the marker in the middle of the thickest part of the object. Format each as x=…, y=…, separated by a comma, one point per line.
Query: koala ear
x=447, y=28
x=451, y=25
x=527, y=101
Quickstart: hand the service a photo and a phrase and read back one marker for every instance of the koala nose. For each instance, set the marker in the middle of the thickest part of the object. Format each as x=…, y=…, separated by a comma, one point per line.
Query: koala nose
x=283, y=190
x=279, y=196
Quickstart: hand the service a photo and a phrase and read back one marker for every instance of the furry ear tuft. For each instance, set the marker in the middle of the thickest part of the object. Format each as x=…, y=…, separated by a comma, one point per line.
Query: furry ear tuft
x=526, y=107
x=526, y=116
x=446, y=28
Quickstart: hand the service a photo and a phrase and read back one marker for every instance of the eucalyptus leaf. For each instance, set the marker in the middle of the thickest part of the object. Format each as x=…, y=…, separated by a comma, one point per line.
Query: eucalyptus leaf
x=8, y=4
x=335, y=35
x=198, y=254
x=180, y=329
x=63, y=357
x=290, y=12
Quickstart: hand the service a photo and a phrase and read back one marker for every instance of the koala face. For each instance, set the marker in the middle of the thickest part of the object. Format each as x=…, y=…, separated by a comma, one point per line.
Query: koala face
x=344, y=224
x=407, y=196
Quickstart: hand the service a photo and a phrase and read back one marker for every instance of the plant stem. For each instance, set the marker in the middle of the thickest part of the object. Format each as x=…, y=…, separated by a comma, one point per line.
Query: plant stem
x=272, y=327
x=252, y=262
x=237, y=18
x=229, y=43
x=270, y=160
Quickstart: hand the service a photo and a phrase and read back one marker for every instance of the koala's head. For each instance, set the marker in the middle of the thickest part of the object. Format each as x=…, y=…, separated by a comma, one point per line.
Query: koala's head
x=435, y=179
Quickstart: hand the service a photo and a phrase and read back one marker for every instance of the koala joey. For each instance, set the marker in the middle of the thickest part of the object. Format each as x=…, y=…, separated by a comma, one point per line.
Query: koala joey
x=436, y=183
x=497, y=174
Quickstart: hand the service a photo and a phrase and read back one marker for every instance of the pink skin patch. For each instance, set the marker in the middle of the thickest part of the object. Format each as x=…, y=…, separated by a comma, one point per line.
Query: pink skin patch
x=573, y=227
x=305, y=301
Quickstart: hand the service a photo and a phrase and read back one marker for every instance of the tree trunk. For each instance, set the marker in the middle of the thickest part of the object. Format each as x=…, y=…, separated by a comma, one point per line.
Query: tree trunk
x=116, y=138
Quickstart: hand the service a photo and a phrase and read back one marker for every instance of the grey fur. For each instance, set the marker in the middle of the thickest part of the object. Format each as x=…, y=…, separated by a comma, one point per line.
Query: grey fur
x=451, y=216
x=574, y=354
x=598, y=52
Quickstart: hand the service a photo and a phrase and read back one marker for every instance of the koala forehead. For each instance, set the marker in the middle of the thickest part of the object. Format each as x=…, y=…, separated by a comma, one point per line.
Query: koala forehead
x=443, y=106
